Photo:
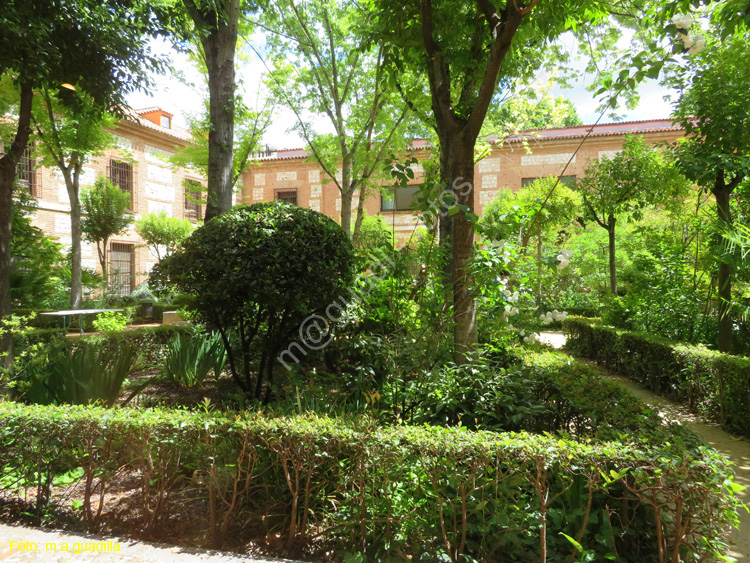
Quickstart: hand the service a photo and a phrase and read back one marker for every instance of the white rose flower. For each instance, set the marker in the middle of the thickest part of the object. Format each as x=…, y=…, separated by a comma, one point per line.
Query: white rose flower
x=563, y=264
x=682, y=21
x=698, y=45
x=687, y=40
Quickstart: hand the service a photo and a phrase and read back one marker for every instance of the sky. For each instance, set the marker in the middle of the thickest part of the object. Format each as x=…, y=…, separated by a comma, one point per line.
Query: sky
x=182, y=94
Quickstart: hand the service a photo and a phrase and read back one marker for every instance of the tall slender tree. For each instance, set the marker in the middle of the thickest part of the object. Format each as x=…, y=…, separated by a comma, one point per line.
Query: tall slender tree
x=98, y=46
x=216, y=24
x=622, y=186
x=68, y=137
x=715, y=111
x=327, y=65
x=467, y=49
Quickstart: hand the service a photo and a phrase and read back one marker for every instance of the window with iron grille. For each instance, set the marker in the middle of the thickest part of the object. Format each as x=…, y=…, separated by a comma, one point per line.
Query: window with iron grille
x=121, y=268
x=121, y=175
x=193, y=199
x=289, y=195
x=565, y=180
x=399, y=199
x=26, y=174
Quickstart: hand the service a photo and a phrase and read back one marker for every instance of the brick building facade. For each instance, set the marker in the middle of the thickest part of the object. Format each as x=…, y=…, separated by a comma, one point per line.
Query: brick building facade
x=289, y=174
x=139, y=166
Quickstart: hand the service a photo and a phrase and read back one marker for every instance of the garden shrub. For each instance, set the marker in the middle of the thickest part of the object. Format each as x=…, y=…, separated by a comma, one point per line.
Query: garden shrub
x=110, y=322
x=421, y=493
x=255, y=274
x=538, y=391
x=190, y=357
x=713, y=384
x=80, y=375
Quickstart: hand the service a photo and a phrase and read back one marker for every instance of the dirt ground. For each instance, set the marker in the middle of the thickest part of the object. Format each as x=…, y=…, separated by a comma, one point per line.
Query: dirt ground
x=735, y=448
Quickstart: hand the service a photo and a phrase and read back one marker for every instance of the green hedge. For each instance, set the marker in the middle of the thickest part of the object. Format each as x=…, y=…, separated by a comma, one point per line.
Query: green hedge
x=319, y=485
x=713, y=384
x=583, y=404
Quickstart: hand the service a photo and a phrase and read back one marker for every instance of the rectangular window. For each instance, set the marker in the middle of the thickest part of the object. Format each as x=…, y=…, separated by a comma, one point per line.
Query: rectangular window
x=289, y=195
x=26, y=174
x=399, y=199
x=193, y=200
x=121, y=175
x=567, y=180
x=121, y=268
x=166, y=122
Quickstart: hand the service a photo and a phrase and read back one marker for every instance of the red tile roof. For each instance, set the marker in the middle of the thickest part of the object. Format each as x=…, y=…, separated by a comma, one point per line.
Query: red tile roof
x=600, y=130
x=176, y=132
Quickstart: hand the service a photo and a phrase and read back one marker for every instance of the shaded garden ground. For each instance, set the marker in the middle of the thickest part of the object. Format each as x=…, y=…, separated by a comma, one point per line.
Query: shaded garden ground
x=130, y=551
x=736, y=449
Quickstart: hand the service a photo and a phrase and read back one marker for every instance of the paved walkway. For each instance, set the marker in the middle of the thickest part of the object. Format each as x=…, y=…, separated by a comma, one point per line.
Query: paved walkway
x=735, y=448
x=25, y=545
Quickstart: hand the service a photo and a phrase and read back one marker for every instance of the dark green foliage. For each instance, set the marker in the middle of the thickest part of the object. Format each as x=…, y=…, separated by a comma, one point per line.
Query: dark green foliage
x=388, y=493
x=537, y=392
x=86, y=373
x=105, y=214
x=255, y=273
x=36, y=259
x=711, y=383
x=189, y=358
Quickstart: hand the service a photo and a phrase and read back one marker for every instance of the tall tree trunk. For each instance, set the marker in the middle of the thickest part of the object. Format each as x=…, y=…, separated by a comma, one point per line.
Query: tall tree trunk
x=76, y=283
x=218, y=32
x=360, y=213
x=460, y=178
x=539, y=265
x=445, y=226
x=7, y=178
x=346, y=209
x=725, y=341
x=611, y=222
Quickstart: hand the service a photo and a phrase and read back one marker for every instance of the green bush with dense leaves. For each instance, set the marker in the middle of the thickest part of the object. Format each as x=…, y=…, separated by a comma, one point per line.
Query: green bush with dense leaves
x=713, y=384
x=256, y=273
x=79, y=375
x=190, y=357
x=321, y=485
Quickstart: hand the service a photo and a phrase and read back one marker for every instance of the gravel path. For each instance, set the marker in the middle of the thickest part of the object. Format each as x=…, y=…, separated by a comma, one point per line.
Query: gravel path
x=736, y=449
x=17, y=543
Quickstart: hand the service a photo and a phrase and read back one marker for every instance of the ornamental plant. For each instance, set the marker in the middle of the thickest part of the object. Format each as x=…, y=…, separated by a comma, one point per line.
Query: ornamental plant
x=255, y=274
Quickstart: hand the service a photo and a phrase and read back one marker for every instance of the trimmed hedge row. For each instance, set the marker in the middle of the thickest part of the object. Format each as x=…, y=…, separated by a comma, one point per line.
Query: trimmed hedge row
x=319, y=485
x=713, y=384
x=583, y=404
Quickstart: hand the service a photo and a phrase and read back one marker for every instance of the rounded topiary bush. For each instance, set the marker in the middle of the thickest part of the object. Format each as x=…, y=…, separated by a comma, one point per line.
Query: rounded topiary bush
x=260, y=271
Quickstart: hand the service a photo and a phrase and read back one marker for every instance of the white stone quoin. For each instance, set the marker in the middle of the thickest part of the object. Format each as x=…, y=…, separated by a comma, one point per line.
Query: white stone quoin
x=257, y=194
x=158, y=207
x=160, y=191
x=62, y=223
x=487, y=165
x=608, y=154
x=259, y=179
x=160, y=174
x=313, y=176
x=155, y=154
x=542, y=159
x=288, y=175
x=489, y=181
x=487, y=196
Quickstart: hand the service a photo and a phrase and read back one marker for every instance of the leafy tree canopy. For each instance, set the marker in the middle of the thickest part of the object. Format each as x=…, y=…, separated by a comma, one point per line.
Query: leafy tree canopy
x=105, y=208
x=161, y=233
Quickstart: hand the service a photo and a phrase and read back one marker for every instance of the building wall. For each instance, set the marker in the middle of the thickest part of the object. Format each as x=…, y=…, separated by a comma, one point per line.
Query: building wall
x=505, y=167
x=159, y=187
x=156, y=186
